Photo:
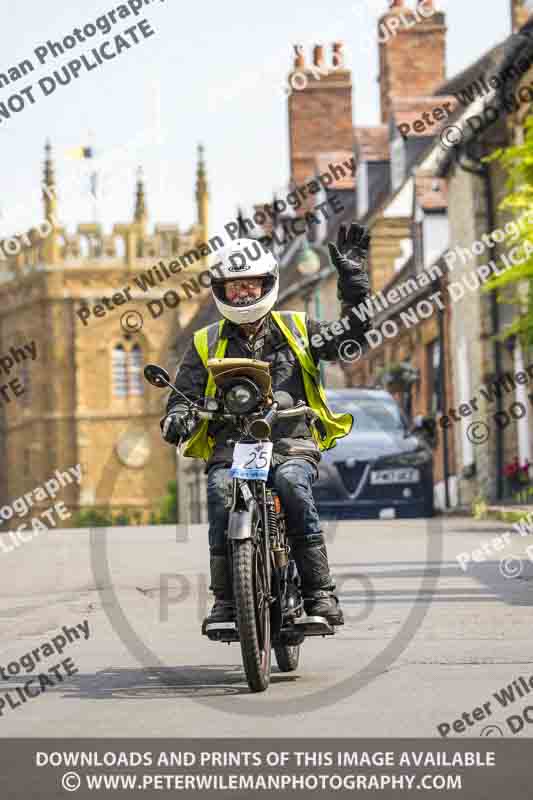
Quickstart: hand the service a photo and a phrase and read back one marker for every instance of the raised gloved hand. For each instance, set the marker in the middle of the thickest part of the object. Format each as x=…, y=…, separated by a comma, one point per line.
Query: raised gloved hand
x=177, y=424
x=349, y=256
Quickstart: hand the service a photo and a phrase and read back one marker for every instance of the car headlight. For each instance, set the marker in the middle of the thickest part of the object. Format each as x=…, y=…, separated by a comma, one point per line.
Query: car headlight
x=416, y=458
x=241, y=398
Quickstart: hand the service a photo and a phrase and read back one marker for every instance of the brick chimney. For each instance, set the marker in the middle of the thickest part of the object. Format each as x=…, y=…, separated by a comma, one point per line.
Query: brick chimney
x=320, y=108
x=412, y=52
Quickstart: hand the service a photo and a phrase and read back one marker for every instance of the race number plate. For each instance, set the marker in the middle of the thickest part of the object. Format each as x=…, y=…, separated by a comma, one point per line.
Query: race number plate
x=251, y=461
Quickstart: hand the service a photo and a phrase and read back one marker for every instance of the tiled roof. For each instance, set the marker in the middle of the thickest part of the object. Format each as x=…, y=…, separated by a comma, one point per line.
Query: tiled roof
x=485, y=65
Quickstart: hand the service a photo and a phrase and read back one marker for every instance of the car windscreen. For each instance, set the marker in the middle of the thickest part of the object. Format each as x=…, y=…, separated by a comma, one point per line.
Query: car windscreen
x=370, y=414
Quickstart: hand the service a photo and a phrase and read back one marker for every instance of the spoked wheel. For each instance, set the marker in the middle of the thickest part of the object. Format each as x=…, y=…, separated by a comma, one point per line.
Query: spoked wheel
x=287, y=656
x=251, y=588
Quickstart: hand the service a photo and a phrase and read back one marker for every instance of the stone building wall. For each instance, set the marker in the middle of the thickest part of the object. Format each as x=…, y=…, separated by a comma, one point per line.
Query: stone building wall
x=472, y=331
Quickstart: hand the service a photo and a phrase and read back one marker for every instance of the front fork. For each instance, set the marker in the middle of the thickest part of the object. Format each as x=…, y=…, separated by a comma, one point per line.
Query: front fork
x=284, y=598
x=245, y=504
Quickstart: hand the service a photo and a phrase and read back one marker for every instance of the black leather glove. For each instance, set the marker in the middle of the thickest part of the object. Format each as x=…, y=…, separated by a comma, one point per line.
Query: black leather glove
x=349, y=256
x=177, y=424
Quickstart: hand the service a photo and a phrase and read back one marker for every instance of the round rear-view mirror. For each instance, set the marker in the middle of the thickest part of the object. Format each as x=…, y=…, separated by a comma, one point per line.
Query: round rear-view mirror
x=157, y=376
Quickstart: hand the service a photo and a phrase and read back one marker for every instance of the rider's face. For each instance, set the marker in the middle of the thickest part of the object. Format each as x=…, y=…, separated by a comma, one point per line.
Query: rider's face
x=243, y=290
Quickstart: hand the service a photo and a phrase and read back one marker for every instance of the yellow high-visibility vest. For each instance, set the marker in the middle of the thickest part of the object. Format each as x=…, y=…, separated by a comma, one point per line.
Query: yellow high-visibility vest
x=210, y=343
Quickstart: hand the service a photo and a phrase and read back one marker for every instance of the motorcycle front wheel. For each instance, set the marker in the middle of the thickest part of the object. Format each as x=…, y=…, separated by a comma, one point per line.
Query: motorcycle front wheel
x=251, y=590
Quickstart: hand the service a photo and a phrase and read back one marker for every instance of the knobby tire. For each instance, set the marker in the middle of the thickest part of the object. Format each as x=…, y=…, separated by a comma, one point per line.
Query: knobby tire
x=253, y=613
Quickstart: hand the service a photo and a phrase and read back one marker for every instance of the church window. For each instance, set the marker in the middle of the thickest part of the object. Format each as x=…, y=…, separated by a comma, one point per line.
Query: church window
x=119, y=370
x=136, y=386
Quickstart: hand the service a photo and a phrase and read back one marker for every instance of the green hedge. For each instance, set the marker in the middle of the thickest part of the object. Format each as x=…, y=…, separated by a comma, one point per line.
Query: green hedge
x=105, y=518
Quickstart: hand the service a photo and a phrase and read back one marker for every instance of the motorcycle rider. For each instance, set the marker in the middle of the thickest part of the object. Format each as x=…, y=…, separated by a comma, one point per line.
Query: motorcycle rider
x=244, y=285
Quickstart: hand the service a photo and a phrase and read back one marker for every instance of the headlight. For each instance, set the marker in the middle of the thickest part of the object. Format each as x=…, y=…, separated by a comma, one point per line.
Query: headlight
x=241, y=398
x=416, y=458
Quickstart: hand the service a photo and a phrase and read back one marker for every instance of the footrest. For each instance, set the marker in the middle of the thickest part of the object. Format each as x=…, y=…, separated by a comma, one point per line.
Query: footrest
x=220, y=631
x=314, y=626
x=291, y=636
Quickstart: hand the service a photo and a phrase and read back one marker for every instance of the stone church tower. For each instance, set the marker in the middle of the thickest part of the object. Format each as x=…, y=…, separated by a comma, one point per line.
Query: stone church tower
x=97, y=308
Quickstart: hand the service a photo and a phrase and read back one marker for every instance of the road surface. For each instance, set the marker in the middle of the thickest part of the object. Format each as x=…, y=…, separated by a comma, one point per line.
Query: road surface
x=424, y=643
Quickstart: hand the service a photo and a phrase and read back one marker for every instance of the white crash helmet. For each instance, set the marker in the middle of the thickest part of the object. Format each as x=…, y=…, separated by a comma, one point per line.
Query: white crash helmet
x=245, y=258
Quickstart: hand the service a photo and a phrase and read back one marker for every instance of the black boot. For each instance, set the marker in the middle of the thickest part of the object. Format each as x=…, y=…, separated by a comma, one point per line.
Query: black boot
x=317, y=583
x=223, y=610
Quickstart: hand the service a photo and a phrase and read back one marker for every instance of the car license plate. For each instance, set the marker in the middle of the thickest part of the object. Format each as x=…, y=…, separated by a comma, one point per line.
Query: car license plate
x=251, y=461
x=382, y=476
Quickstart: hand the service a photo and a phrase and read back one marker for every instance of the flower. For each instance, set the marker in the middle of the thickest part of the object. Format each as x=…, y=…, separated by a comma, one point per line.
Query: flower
x=511, y=470
x=514, y=471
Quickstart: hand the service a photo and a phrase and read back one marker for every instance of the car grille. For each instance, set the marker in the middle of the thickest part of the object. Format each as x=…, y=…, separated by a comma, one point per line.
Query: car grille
x=351, y=475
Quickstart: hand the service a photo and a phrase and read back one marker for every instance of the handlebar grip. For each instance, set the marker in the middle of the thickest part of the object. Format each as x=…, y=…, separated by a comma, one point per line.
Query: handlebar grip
x=297, y=411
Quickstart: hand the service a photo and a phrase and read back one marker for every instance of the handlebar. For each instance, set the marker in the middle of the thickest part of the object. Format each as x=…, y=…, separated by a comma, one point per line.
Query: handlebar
x=261, y=428
x=269, y=417
x=298, y=411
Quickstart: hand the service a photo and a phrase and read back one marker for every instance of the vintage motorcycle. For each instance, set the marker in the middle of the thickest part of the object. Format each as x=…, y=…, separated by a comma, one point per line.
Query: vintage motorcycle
x=266, y=586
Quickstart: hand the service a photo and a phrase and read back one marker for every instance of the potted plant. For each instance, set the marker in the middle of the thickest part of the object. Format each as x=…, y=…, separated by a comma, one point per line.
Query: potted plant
x=517, y=476
x=398, y=376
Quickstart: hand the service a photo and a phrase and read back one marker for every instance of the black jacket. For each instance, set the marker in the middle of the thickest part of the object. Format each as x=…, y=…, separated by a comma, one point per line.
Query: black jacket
x=290, y=437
